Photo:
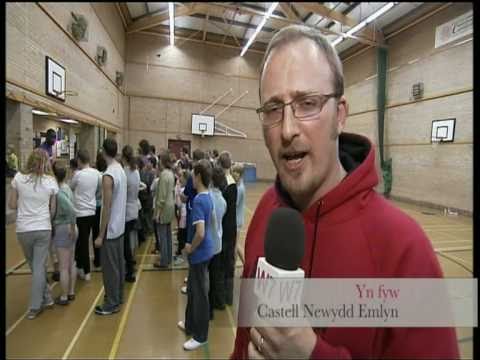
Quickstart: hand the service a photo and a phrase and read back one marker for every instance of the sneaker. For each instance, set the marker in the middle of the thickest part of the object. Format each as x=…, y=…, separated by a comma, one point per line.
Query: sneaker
x=87, y=277
x=56, y=276
x=130, y=278
x=181, y=325
x=183, y=290
x=185, y=280
x=60, y=301
x=81, y=274
x=48, y=304
x=71, y=297
x=100, y=310
x=33, y=313
x=178, y=261
x=193, y=344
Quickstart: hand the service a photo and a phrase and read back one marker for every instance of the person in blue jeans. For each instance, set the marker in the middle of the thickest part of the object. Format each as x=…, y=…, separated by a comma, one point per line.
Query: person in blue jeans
x=200, y=250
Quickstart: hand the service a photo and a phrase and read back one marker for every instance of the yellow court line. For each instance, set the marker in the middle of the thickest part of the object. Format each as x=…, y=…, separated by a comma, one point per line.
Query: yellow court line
x=453, y=248
x=123, y=322
x=24, y=315
x=230, y=316
x=82, y=325
x=16, y=266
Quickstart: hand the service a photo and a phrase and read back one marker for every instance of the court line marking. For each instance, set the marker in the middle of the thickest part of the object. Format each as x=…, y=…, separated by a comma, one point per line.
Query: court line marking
x=454, y=248
x=230, y=316
x=24, y=315
x=82, y=326
x=123, y=321
x=15, y=267
x=460, y=262
x=465, y=339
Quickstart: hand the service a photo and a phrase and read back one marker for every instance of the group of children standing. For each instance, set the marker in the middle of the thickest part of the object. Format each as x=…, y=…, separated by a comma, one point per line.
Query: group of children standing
x=211, y=197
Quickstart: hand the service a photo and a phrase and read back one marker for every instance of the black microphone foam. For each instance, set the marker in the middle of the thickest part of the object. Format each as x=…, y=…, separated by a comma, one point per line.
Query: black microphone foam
x=285, y=239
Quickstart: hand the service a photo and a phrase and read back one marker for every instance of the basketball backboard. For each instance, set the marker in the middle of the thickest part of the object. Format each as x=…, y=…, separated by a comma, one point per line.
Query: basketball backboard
x=203, y=125
x=443, y=130
x=55, y=79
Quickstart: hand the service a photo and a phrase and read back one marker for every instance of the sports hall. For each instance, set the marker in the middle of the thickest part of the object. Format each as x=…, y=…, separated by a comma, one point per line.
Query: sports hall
x=186, y=76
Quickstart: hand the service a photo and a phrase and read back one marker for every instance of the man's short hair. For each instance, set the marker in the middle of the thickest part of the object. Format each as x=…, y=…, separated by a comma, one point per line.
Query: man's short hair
x=83, y=156
x=198, y=155
x=51, y=133
x=218, y=178
x=215, y=153
x=294, y=33
x=110, y=147
x=204, y=169
x=225, y=160
x=185, y=150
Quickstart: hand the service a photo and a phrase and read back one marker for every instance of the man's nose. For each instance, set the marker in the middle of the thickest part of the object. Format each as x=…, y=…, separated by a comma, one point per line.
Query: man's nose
x=290, y=127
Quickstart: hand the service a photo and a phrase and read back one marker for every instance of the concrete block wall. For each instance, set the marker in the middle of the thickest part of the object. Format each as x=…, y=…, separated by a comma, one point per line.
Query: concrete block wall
x=19, y=127
x=421, y=173
x=164, y=91
x=34, y=30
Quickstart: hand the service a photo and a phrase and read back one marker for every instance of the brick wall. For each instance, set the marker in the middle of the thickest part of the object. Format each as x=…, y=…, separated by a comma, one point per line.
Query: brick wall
x=421, y=173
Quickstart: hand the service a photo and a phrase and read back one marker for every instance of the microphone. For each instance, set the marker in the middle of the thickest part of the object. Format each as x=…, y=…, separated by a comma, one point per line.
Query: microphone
x=279, y=280
x=284, y=246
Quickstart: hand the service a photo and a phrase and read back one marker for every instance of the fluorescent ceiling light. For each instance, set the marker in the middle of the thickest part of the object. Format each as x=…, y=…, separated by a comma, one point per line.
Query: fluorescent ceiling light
x=172, y=24
x=356, y=28
x=38, y=112
x=379, y=12
x=69, y=121
x=337, y=41
x=364, y=23
x=259, y=27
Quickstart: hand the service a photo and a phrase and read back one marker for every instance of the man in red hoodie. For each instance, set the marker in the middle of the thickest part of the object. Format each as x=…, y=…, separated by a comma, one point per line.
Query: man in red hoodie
x=350, y=230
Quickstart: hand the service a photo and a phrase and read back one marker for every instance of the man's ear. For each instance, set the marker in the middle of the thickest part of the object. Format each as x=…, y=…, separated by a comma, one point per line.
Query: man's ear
x=342, y=113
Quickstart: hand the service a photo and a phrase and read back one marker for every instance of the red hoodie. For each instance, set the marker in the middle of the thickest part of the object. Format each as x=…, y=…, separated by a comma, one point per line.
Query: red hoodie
x=354, y=232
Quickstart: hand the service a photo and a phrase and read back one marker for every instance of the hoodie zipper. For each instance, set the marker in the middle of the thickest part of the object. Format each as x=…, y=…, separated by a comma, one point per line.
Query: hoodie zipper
x=314, y=242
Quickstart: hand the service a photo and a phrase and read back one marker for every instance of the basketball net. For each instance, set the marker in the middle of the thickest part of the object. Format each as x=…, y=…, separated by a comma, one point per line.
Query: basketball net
x=203, y=133
x=435, y=143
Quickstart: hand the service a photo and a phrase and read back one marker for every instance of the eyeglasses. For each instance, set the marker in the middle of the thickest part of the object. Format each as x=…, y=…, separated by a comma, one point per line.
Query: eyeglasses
x=304, y=108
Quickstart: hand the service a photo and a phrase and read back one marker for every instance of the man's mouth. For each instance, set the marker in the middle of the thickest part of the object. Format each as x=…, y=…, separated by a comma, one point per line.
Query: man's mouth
x=294, y=159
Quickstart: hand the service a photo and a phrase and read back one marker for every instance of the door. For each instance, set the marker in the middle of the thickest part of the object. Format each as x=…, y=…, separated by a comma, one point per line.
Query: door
x=175, y=146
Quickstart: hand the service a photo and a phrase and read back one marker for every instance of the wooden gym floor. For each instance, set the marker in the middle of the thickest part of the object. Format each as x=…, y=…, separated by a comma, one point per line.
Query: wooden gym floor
x=146, y=325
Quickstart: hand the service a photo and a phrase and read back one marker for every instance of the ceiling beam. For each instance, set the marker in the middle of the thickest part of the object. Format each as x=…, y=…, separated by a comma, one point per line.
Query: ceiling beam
x=205, y=27
x=125, y=12
x=247, y=25
x=229, y=29
x=278, y=22
x=124, y=22
x=322, y=10
x=201, y=41
x=288, y=11
x=155, y=20
x=246, y=29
